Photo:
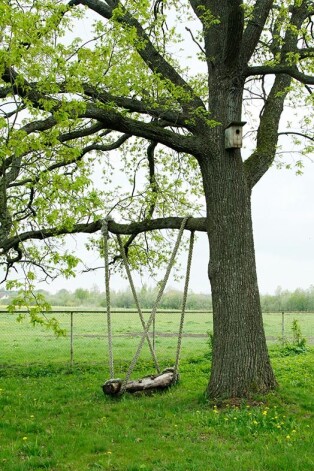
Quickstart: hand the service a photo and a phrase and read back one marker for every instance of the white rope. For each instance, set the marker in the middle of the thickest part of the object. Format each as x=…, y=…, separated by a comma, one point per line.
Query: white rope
x=185, y=295
x=104, y=230
x=129, y=275
x=154, y=309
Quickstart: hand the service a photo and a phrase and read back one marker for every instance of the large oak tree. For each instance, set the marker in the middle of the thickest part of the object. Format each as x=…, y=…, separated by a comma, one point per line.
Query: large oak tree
x=152, y=87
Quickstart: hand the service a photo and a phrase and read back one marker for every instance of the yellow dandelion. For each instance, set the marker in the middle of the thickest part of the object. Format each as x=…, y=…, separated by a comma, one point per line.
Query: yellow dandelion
x=24, y=438
x=288, y=437
x=264, y=412
x=109, y=452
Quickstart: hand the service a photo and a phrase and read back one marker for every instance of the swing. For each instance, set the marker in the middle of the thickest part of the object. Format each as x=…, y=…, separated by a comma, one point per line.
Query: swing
x=169, y=376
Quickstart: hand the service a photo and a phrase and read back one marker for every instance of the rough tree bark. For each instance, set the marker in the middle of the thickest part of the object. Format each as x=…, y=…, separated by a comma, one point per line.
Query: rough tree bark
x=240, y=363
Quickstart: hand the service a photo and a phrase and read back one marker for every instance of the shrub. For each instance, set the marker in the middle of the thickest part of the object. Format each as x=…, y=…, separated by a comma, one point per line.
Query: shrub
x=298, y=343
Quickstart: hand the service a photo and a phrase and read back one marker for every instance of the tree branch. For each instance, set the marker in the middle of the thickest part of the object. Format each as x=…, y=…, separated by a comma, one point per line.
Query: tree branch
x=110, y=117
x=174, y=118
x=97, y=147
x=267, y=136
x=152, y=58
x=83, y=132
x=305, y=53
x=293, y=133
x=254, y=28
x=5, y=91
x=152, y=177
x=193, y=224
x=14, y=162
x=280, y=69
x=234, y=34
x=152, y=131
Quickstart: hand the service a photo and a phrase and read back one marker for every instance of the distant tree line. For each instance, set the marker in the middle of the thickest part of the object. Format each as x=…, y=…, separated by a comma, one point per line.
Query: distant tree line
x=299, y=300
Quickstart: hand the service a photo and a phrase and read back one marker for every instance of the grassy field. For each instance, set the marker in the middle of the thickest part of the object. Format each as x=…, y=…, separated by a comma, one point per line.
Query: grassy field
x=56, y=418
x=23, y=343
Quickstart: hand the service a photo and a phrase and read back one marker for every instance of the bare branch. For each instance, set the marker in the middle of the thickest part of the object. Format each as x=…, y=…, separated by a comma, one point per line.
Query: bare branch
x=294, y=133
x=195, y=41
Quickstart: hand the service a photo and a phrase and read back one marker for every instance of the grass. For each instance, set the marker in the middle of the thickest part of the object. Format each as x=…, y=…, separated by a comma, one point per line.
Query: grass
x=90, y=335
x=56, y=418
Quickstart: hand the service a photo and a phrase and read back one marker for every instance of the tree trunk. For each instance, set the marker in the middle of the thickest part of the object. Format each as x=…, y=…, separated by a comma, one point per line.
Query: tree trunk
x=240, y=364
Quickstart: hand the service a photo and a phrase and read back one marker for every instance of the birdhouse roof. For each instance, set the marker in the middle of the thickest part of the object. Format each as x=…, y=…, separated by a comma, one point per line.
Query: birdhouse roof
x=236, y=123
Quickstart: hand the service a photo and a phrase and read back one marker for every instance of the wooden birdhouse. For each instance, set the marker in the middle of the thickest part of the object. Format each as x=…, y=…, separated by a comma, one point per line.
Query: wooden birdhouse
x=233, y=135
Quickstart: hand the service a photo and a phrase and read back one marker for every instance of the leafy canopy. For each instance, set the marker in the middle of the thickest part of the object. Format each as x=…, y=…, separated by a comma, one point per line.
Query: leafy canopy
x=102, y=107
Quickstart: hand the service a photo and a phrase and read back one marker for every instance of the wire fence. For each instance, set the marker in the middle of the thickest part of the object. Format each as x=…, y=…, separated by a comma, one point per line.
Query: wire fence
x=86, y=335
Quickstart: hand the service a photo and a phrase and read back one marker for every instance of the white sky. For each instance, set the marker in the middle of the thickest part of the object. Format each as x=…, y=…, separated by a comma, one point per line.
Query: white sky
x=283, y=218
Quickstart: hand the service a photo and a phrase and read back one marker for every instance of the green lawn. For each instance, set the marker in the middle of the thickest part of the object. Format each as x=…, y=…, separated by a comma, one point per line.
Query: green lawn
x=56, y=418
x=23, y=343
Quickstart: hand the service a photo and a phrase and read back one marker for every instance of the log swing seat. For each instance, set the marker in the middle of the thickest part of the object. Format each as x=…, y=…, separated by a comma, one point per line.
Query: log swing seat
x=169, y=376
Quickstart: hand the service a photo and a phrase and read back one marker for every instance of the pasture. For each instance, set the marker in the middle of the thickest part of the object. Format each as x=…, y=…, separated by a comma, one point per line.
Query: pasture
x=23, y=343
x=54, y=416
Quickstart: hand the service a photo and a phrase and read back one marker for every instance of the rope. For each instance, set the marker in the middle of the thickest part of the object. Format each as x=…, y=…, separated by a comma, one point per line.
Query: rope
x=129, y=275
x=154, y=310
x=185, y=295
x=104, y=231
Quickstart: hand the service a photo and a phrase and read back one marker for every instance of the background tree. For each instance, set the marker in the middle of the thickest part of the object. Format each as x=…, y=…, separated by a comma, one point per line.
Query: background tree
x=160, y=81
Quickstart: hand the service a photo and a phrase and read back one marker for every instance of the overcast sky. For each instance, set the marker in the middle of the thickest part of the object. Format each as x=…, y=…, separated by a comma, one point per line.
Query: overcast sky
x=283, y=216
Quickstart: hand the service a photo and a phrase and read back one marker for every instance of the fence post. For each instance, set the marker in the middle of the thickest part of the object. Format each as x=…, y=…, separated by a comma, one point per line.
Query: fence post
x=283, y=327
x=71, y=339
